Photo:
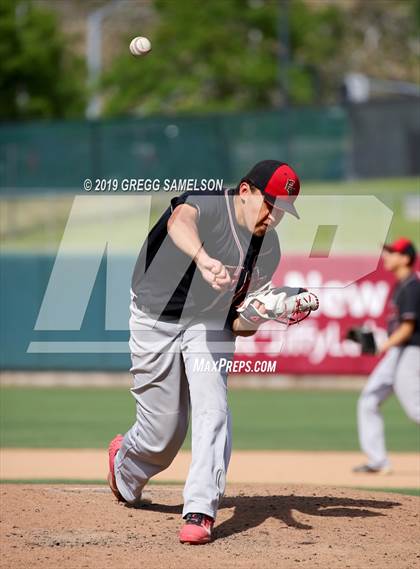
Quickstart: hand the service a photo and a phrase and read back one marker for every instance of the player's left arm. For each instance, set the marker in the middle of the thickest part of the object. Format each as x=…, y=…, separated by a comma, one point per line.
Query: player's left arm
x=241, y=327
x=408, y=314
x=267, y=262
x=400, y=336
x=286, y=305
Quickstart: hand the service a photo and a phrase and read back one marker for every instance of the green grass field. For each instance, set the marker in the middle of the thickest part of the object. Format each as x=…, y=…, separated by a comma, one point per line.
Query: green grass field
x=282, y=420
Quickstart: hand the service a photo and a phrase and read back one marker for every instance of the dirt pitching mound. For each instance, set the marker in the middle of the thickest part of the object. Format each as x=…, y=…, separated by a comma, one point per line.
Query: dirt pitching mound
x=258, y=526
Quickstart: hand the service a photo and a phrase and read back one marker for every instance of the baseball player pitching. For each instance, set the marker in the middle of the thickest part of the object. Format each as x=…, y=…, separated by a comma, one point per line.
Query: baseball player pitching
x=202, y=277
x=399, y=370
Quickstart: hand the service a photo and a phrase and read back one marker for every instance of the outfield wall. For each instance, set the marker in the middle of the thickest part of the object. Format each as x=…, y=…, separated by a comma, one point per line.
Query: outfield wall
x=322, y=143
x=315, y=346
x=59, y=155
x=318, y=344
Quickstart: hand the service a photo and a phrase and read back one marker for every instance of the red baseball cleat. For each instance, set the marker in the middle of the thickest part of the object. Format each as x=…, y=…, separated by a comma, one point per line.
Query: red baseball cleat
x=197, y=529
x=113, y=448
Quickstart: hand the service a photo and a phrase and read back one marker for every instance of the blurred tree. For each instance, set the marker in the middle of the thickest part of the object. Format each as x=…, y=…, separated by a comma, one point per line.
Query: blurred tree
x=38, y=76
x=225, y=55
x=382, y=39
x=416, y=13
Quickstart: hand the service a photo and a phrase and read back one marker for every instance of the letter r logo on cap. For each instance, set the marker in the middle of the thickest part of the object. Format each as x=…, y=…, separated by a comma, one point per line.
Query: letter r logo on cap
x=290, y=186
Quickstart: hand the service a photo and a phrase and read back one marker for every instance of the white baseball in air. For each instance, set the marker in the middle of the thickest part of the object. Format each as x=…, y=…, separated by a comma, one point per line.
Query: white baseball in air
x=140, y=46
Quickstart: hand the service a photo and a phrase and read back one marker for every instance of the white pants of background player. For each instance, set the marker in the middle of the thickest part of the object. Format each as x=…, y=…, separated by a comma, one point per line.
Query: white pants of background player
x=167, y=386
x=398, y=372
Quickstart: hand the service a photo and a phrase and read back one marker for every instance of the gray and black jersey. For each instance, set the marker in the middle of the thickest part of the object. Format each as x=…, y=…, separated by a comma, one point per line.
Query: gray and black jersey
x=405, y=306
x=165, y=281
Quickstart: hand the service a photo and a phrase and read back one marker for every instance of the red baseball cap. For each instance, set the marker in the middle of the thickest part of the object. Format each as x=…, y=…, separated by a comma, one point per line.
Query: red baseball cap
x=403, y=246
x=278, y=182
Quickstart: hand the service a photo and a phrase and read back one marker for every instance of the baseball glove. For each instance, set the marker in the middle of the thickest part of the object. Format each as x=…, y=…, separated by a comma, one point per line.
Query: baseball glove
x=280, y=304
x=364, y=337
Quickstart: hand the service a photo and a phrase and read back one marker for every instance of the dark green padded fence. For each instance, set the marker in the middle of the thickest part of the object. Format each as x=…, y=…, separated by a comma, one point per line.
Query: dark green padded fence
x=23, y=281
x=58, y=156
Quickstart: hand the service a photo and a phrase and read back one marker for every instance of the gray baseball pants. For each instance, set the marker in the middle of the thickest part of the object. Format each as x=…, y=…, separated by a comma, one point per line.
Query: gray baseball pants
x=169, y=385
x=398, y=372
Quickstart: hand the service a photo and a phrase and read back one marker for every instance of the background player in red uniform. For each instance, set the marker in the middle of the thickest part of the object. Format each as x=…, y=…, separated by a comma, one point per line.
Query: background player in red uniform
x=399, y=370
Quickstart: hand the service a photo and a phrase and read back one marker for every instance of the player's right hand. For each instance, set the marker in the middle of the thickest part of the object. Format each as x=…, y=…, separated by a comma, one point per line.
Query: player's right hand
x=214, y=272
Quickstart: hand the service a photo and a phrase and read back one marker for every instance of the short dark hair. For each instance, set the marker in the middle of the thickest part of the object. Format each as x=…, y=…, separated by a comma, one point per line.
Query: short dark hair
x=251, y=185
x=411, y=260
